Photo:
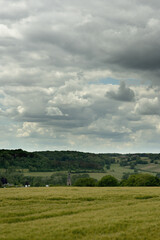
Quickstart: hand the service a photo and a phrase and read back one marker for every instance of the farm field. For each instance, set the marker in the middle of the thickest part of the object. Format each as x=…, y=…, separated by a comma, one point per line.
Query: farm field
x=115, y=170
x=66, y=213
x=150, y=168
x=97, y=176
x=39, y=174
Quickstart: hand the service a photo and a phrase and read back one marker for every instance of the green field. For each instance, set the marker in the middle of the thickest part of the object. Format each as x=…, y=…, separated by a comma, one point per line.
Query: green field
x=115, y=170
x=40, y=174
x=69, y=213
x=150, y=168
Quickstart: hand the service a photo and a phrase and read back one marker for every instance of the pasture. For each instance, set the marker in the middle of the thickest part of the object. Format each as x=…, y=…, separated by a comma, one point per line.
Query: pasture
x=69, y=213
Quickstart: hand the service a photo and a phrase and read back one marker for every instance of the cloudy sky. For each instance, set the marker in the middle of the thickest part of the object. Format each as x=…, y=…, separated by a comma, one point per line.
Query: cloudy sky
x=80, y=75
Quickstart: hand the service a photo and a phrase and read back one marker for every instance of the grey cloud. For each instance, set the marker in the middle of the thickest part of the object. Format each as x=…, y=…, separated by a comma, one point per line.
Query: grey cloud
x=91, y=37
x=123, y=94
x=113, y=136
x=141, y=55
x=148, y=106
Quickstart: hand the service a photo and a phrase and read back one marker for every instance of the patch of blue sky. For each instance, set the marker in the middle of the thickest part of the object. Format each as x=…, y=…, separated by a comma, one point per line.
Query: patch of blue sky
x=105, y=81
x=133, y=81
x=113, y=81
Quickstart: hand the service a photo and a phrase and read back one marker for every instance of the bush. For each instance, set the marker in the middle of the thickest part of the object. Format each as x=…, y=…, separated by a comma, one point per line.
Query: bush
x=75, y=177
x=158, y=175
x=126, y=175
x=85, y=182
x=142, y=180
x=59, y=179
x=108, y=181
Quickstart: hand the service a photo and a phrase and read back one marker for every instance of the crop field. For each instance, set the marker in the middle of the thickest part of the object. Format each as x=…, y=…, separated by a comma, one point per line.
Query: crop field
x=69, y=213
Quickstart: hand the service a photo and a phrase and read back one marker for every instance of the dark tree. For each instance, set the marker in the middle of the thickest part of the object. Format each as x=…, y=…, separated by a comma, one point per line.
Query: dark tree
x=85, y=182
x=4, y=180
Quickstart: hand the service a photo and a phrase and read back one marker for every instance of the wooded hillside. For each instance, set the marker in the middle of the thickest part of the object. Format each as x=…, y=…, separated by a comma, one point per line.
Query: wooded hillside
x=53, y=160
x=70, y=160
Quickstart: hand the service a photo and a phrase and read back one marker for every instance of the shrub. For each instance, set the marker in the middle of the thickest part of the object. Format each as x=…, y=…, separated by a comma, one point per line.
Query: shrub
x=108, y=181
x=85, y=182
x=142, y=180
x=75, y=177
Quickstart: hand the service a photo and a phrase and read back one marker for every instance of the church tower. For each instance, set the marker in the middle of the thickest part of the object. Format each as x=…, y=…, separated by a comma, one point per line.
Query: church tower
x=69, y=179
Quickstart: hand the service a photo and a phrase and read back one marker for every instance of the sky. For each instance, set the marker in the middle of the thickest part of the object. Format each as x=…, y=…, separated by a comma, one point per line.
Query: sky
x=80, y=75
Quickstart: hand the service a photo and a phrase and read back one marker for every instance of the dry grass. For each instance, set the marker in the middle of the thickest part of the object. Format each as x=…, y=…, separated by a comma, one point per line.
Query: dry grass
x=66, y=213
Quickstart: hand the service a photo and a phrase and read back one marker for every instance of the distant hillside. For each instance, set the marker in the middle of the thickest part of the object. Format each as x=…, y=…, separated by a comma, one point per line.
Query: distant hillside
x=72, y=160
x=53, y=160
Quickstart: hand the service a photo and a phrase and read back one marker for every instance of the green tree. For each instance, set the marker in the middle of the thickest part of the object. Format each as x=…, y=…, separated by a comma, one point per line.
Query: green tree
x=142, y=180
x=58, y=179
x=108, y=181
x=75, y=177
x=85, y=182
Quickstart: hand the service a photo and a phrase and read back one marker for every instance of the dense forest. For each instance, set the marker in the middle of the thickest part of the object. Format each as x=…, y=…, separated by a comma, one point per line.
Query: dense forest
x=70, y=160
x=53, y=160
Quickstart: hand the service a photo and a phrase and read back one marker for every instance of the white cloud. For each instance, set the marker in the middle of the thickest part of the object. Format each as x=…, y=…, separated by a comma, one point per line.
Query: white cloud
x=54, y=111
x=148, y=106
x=27, y=129
x=9, y=32
x=20, y=109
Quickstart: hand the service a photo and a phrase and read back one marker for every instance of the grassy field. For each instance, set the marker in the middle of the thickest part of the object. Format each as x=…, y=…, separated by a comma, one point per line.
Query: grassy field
x=69, y=213
x=115, y=170
x=39, y=174
x=151, y=167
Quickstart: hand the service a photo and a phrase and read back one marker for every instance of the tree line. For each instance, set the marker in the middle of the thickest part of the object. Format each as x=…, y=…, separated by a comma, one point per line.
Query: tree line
x=135, y=180
x=45, y=161
x=53, y=160
x=83, y=180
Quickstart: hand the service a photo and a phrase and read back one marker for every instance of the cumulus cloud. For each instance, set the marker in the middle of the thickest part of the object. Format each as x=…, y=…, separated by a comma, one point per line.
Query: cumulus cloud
x=123, y=94
x=148, y=106
x=54, y=111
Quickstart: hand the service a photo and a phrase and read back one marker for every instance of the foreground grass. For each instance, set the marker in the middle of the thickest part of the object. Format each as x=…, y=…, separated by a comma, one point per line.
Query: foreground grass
x=66, y=213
